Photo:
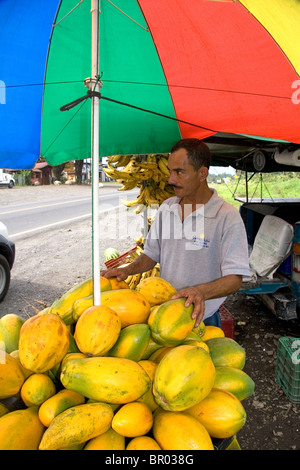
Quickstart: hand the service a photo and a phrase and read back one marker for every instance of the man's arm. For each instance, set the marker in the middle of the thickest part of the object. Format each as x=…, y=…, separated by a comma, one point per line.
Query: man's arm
x=140, y=265
x=197, y=295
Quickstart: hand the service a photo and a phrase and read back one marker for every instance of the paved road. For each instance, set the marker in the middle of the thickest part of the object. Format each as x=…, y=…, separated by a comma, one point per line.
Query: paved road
x=39, y=212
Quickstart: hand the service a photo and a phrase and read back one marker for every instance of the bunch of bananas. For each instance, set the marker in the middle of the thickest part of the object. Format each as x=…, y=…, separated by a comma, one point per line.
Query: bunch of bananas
x=149, y=173
x=134, y=279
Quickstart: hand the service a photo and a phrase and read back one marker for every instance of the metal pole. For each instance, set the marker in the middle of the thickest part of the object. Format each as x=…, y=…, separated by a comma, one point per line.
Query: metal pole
x=95, y=11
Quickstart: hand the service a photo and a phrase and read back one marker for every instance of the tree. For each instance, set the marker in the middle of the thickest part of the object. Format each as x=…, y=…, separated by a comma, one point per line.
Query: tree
x=78, y=171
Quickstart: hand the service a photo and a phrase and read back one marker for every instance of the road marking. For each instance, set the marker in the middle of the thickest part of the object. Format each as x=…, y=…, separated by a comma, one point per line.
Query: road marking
x=43, y=227
x=44, y=205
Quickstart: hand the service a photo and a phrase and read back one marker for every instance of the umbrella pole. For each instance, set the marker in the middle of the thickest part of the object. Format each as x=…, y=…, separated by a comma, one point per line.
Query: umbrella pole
x=95, y=11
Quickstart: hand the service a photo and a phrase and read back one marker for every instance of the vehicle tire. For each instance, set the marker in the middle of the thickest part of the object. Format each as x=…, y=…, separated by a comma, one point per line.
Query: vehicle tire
x=10, y=184
x=4, y=277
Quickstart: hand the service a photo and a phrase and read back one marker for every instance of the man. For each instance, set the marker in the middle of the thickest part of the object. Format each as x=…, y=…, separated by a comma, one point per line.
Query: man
x=198, y=238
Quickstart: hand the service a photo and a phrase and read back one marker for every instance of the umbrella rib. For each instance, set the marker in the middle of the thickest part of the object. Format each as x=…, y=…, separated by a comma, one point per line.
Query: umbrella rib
x=129, y=17
x=156, y=113
x=74, y=8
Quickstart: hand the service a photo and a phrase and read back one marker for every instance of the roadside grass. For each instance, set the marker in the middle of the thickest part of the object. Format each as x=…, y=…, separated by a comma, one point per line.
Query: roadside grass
x=275, y=185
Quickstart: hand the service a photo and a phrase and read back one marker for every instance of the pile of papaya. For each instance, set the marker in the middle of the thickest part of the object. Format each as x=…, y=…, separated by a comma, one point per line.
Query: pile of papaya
x=133, y=373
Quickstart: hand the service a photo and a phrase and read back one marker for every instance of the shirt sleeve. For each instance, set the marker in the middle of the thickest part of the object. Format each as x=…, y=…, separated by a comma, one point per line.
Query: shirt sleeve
x=234, y=250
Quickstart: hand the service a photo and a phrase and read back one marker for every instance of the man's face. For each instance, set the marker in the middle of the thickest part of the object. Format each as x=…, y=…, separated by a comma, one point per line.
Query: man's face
x=183, y=177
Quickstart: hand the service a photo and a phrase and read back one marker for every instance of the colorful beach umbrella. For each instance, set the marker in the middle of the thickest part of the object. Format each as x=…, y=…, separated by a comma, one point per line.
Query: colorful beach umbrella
x=226, y=71
x=221, y=70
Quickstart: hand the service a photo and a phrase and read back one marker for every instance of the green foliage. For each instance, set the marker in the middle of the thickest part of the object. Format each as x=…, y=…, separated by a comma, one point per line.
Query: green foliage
x=267, y=185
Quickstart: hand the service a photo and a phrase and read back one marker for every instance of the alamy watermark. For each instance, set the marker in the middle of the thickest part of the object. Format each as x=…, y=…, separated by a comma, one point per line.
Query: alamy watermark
x=2, y=92
x=296, y=93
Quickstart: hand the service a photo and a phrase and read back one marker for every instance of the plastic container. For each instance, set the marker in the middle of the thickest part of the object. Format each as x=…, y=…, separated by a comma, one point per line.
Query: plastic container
x=115, y=262
x=288, y=367
x=227, y=322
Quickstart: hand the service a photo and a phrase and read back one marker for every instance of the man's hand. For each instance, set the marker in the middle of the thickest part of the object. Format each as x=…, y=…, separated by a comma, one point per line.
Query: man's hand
x=119, y=273
x=194, y=296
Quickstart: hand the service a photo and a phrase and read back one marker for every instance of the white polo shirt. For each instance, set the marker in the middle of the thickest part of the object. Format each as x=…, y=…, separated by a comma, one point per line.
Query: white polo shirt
x=210, y=243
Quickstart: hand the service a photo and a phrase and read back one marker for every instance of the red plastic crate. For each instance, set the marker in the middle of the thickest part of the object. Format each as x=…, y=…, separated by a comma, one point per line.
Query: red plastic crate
x=115, y=262
x=227, y=322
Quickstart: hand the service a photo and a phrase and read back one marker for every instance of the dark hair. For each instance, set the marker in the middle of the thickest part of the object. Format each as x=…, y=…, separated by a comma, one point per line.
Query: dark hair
x=198, y=152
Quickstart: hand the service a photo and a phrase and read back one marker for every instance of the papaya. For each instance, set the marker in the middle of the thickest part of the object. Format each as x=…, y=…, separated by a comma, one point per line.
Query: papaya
x=21, y=430
x=131, y=306
x=69, y=357
x=108, y=379
x=132, y=420
x=152, y=346
x=109, y=440
x=44, y=341
x=36, y=389
x=64, y=305
x=58, y=403
x=180, y=431
x=156, y=290
x=200, y=329
x=97, y=330
x=235, y=381
x=3, y=410
x=132, y=342
x=171, y=322
x=142, y=443
x=183, y=377
x=198, y=343
x=115, y=284
x=212, y=332
x=26, y=372
x=226, y=352
x=148, y=398
x=159, y=354
x=11, y=376
x=76, y=425
x=81, y=305
x=221, y=413
x=10, y=326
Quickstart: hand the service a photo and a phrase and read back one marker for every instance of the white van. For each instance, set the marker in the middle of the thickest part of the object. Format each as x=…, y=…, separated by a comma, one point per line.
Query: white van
x=6, y=179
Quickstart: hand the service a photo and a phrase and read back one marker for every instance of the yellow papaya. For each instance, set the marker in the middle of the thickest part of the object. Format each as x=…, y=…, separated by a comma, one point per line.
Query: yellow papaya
x=171, y=322
x=221, y=413
x=21, y=430
x=152, y=346
x=142, y=443
x=44, y=341
x=36, y=389
x=115, y=284
x=108, y=379
x=3, y=410
x=148, y=398
x=131, y=306
x=226, y=352
x=64, y=305
x=76, y=425
x=97, y=330
x=160, y=353
x=26, y=372
x=183, y=377
x=180, y=431
x=81, y=305
x=132, y=342
x=133, y=419
x=10, y=326
x=212, y=332
x=156, y=290
x=58, y=403
x=109, y=440
x=11, y=376
x=235, y=381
